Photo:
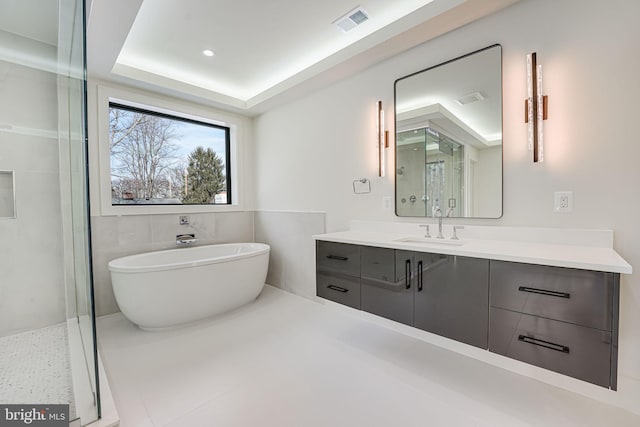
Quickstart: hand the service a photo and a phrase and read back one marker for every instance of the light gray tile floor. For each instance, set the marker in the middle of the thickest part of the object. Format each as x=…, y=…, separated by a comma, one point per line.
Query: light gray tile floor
x=285, y=361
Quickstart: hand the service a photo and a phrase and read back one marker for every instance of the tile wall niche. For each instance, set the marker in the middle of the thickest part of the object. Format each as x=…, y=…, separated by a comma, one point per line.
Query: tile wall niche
x=118, y=236
x=292, y=258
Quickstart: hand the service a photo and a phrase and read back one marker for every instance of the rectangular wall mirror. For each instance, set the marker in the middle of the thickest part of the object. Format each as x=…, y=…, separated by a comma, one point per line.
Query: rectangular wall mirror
x=7, y=195
x=449, y=138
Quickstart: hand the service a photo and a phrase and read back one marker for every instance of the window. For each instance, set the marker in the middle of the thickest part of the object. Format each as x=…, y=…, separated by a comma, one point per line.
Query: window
x=161, y=159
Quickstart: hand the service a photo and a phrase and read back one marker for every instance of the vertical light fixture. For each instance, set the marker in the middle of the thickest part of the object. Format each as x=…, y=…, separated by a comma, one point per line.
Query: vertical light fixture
x=535, y=108
x=382, y=138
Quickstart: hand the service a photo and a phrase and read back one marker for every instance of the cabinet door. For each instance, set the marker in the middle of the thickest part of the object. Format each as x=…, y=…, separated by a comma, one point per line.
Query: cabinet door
x=385, y=288
x=452, y=297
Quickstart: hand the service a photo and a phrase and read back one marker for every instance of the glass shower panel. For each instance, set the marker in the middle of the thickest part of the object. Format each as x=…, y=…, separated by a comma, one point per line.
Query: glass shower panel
x=444, y=175
x=73, y=154
x=410, y=178
x=42, y=141
x=454, y=188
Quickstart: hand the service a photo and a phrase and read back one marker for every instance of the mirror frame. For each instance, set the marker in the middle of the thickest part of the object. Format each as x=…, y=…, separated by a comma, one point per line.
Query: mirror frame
x=12, y=191
x=395, y=118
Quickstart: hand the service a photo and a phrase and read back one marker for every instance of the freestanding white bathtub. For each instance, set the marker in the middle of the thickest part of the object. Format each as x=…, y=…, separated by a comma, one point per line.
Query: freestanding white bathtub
x=158, y=290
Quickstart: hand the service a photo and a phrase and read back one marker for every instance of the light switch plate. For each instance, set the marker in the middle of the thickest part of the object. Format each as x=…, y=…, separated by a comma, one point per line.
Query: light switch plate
x=563, y=201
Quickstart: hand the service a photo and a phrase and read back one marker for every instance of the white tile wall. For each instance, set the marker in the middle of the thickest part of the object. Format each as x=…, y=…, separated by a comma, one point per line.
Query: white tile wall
x=292, y=257
x=31, y=265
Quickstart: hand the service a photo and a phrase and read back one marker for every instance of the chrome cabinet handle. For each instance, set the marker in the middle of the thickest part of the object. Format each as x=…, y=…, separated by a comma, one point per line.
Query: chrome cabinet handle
x=337, y=288
x=419, y=276
x=544, y=292
x=543, y=343
x=337, y=257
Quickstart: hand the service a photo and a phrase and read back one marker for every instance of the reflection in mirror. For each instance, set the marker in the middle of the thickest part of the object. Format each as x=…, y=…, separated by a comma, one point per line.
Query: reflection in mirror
x=7, y=197
x=449, y=138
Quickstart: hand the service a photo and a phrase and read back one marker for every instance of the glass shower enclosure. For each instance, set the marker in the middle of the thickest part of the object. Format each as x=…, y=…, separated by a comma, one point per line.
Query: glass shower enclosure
x=430, y=174
x=47, y=322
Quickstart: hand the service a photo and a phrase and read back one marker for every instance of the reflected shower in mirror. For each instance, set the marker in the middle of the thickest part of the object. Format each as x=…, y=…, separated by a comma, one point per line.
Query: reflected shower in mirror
x=449, y=138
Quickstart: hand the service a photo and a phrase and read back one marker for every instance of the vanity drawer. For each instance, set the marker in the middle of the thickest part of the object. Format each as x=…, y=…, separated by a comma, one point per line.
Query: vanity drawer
x=339, y=288
x=576, y=296
x=338, y=257
x=577, y=351
x=377, y=263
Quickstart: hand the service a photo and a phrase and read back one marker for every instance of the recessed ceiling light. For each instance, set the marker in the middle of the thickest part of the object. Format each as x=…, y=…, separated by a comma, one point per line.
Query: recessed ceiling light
x=208, y=52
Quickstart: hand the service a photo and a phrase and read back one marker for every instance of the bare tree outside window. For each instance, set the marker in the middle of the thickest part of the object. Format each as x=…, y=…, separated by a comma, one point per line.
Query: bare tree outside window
x=142, y=153
x=161, y=159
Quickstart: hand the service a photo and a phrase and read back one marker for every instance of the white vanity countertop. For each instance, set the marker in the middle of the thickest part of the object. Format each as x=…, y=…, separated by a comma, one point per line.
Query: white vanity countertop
x=553, y=254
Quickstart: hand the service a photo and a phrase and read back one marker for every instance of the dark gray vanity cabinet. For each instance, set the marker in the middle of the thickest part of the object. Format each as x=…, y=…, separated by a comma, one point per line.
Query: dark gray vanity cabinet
x=443, y=294
x=452, y=297
x=561, y=319
x=338, y=273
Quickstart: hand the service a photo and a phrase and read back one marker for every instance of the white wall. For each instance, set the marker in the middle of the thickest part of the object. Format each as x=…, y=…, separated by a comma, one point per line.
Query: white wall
x=308, y=152
x=31, y=265
x=487, y=182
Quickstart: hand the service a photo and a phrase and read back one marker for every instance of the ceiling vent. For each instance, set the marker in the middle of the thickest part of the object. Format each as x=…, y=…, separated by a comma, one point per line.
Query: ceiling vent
x=351, y=20
x=471, y=98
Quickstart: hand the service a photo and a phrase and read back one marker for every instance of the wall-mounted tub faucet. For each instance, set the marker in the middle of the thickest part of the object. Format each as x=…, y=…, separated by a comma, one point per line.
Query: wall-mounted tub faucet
x=185, y=239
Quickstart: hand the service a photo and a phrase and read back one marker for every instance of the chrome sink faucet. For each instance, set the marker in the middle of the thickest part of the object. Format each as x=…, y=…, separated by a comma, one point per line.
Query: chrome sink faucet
x=438, y=214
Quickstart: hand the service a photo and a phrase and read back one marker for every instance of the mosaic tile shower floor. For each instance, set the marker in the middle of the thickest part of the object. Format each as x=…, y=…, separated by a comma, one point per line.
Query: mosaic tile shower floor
x=35, y=368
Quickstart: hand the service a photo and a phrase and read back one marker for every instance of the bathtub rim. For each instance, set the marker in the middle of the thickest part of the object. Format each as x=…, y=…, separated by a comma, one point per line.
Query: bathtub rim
x=113, y=267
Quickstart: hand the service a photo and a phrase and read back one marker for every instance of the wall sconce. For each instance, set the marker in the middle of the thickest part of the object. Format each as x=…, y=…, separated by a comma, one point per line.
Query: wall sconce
x=535, y=108
x=382, y=138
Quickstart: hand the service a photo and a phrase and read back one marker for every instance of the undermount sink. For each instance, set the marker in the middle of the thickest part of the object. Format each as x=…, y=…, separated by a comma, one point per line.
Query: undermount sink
x=431, y=241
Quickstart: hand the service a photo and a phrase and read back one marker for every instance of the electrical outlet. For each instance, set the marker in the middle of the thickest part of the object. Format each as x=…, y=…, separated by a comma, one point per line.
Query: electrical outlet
x=563, y=201
x=386, y=203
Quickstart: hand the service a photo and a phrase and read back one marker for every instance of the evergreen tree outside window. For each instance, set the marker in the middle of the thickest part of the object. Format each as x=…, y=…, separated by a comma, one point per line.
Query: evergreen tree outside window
x=160, y=159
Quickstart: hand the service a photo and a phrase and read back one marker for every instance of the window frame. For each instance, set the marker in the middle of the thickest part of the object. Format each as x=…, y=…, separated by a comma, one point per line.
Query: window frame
x=239, y=126
x=227, y=151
